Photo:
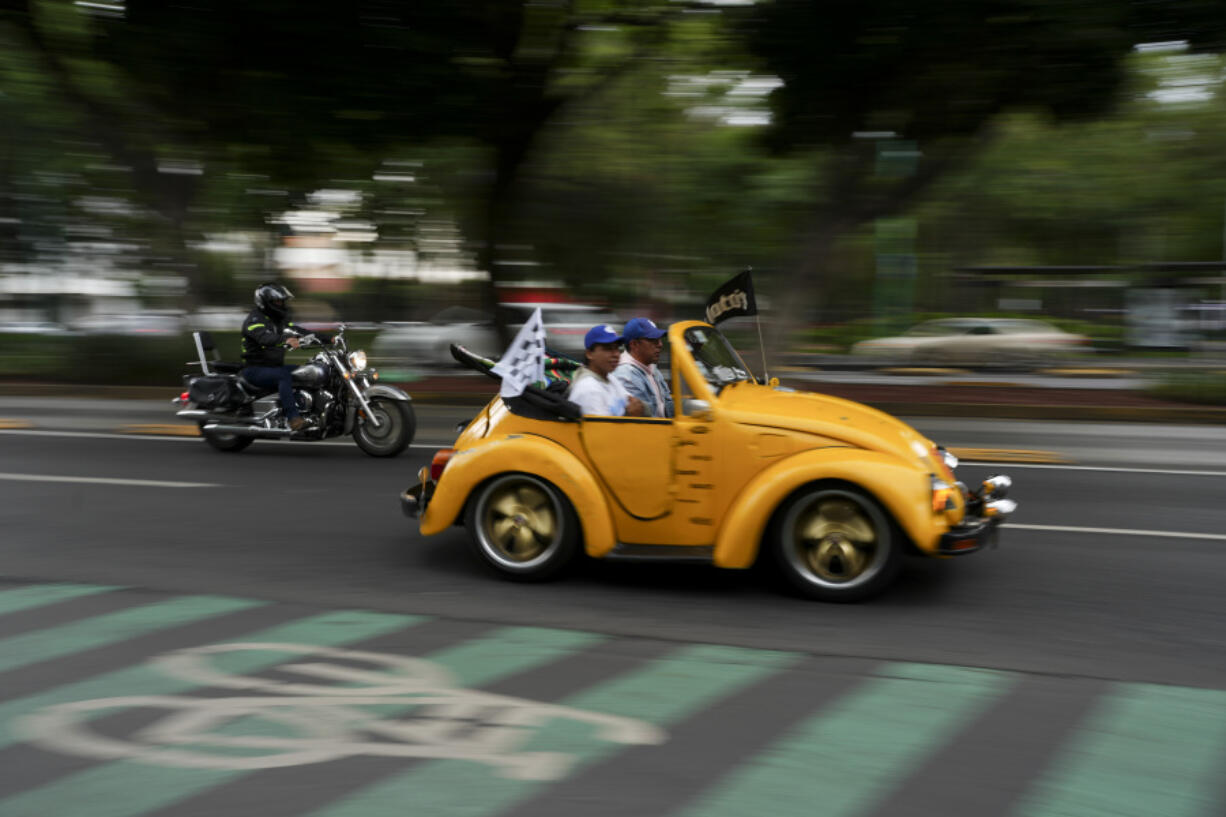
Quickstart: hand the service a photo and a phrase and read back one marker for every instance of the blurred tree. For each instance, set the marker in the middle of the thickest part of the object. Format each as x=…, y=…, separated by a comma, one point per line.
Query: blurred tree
x=1147, y=184
x=856, y=73
x=305, y=91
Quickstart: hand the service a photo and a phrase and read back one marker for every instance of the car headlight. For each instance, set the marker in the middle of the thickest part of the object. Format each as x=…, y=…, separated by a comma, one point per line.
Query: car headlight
x=357, y=360
x=942, y=495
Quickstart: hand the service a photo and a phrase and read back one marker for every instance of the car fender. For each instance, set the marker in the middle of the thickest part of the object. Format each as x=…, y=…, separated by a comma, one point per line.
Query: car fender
x=902, y=489
x=538, y=456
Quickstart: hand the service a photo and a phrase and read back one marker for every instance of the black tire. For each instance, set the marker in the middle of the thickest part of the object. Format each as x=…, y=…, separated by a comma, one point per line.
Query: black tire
x=833, y=542
x=523, y=527
x=230, y=443
x=397, y=425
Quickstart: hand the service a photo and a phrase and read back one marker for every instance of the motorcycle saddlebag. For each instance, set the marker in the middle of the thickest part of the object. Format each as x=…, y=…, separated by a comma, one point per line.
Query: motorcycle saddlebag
x=211, y=391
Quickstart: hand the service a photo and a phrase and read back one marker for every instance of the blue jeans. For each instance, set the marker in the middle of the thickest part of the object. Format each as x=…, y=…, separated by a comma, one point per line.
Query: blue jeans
x=280, y=378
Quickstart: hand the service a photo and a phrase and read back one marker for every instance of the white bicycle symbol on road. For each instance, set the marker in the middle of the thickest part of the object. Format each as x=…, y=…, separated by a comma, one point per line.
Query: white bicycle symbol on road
x=347, y=703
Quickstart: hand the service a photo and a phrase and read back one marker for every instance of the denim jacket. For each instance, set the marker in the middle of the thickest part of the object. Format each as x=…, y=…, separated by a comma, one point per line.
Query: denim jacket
x=632, y=375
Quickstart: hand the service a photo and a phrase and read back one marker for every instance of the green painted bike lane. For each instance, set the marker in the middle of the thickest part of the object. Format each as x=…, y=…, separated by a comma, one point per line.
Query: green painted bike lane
x=1145, y=751
x=127, y=788
x=663, y=692
x=16, y=599
x=111, y=628
x=845, y=759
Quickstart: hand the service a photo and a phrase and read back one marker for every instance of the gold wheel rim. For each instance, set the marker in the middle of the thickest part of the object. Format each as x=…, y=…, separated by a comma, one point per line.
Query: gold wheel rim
x=520, y=521
x=836, y=540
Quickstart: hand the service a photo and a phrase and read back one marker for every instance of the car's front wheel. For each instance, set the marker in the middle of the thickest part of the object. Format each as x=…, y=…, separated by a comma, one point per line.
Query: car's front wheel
x=523, y=527
x=835, y=543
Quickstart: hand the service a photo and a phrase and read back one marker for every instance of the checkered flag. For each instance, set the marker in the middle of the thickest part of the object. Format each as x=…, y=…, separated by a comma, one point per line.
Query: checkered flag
x=524, y=361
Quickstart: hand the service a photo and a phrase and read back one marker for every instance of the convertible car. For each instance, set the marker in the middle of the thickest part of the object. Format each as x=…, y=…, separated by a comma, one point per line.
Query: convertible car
x=833, y=492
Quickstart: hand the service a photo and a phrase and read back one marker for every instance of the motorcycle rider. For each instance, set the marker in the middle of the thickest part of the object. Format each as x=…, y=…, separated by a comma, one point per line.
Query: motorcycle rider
x=265, y=340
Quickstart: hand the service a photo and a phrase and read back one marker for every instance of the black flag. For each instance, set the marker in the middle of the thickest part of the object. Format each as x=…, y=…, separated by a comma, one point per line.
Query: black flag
x=732, y=300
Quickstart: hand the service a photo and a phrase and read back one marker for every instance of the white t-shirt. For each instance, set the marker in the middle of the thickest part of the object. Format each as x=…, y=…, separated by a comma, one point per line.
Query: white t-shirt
x=597, y=395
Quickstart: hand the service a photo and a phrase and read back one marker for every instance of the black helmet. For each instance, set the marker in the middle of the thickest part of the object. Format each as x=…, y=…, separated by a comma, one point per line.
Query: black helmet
x=273, y=299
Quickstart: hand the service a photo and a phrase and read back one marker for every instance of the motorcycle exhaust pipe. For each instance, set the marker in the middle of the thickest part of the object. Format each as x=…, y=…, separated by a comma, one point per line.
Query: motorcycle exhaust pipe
x=248, y=431
x=201, y=414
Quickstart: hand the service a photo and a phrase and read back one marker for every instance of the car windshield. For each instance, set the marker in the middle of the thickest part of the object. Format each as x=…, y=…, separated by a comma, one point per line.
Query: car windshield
x=717, y=360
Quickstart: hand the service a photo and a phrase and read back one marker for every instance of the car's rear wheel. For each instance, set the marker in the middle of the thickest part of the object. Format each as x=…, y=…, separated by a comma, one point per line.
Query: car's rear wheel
x=835, y=543
x=523, y=527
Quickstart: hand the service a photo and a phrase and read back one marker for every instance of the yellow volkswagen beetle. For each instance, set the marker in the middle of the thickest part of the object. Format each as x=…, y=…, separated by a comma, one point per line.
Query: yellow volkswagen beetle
x=834, y=492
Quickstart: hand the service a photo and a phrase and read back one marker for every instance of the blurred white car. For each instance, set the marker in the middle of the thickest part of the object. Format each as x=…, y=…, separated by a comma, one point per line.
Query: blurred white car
x=428, y=344
x=979, y=341
x=145, y=324
x=33, y=328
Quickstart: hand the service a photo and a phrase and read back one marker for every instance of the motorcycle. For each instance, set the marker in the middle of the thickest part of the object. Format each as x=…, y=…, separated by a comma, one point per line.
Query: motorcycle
x=336, y=393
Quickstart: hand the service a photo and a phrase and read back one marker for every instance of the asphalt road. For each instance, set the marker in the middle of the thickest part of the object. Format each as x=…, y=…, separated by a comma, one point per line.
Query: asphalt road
x=1018, y=673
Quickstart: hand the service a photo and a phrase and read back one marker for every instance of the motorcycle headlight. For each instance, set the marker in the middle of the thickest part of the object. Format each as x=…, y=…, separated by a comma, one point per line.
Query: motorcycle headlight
x=357, y=360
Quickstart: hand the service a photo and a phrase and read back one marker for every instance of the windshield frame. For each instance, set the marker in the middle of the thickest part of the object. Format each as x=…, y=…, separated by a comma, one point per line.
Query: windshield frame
x=725, y=367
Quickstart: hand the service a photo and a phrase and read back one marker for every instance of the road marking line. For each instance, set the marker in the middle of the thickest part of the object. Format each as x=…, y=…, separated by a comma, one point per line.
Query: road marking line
x=166, y=429
x=102, y=435
x=1007, y=455
x=145, y=483
x=14, y=424
x=1169, y=534
x=1121, y=469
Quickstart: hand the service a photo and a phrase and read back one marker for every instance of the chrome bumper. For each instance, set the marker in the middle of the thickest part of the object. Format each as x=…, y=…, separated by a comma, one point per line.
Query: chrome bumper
x=986, y=510
x=413, y=501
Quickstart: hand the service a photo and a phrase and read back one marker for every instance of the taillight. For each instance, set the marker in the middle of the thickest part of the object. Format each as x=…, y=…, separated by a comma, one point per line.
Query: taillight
x=183, y=397
x=439, y=463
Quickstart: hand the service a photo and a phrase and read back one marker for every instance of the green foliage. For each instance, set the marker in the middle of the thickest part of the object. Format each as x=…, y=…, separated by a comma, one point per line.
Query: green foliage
x=1191, y=387
x=592, y=136
x=122, y=360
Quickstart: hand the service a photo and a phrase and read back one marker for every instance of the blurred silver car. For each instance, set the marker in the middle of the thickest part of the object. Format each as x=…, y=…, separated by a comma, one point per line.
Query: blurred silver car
x=977, y=341
x=428, y=343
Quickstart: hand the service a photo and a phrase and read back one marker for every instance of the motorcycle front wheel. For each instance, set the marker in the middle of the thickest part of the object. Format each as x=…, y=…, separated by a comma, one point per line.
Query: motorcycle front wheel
x=397, y=424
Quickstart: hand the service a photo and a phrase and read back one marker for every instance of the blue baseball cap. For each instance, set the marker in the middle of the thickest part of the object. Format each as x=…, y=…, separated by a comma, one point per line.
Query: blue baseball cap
x=642, y=328
x=600, y=334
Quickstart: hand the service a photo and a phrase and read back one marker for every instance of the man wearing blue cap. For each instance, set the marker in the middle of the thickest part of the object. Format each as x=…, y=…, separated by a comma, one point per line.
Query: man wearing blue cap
x=593, y=389
x=638, y=371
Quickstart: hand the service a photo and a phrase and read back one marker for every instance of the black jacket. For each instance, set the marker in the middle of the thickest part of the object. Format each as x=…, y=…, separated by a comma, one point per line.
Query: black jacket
x=264, y=339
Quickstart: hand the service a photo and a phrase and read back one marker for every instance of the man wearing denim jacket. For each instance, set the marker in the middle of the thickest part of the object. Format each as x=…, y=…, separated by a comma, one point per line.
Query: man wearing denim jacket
x=638, y=371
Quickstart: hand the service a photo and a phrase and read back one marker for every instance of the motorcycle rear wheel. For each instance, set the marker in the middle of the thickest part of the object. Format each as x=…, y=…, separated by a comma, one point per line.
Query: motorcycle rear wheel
x=230, y=443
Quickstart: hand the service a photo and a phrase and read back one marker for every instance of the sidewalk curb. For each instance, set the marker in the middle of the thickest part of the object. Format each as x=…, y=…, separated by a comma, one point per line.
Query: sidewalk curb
x=1189, y=415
